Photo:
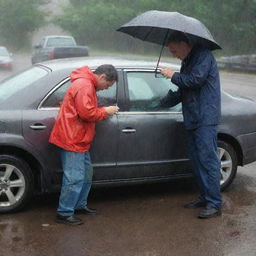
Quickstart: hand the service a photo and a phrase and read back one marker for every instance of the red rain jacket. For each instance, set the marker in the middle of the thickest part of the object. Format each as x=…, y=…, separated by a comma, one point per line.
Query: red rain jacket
x=74, y=128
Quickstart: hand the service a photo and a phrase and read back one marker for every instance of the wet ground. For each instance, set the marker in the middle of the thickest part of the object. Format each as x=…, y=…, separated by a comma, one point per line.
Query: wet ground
x=146, y=220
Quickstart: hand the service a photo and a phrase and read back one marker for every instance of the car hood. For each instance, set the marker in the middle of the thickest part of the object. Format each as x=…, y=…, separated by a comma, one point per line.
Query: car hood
x=238, y=113
x=237, y=104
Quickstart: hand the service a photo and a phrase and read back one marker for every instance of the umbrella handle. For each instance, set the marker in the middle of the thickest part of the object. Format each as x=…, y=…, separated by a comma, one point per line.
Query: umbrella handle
x=165, y=39
x=159, y=59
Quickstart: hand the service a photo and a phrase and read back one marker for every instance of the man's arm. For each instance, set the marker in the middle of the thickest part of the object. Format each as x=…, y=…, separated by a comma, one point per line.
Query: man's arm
x=87, y=110
x=198, y=75
x=171, y=99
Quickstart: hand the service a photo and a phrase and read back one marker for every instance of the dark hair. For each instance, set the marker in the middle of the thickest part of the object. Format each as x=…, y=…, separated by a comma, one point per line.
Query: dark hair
x=109, y=70
x=177, y=37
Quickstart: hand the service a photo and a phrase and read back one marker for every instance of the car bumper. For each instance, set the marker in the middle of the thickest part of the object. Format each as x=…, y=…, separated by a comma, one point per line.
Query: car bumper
x=5, y=65
x=248, y=143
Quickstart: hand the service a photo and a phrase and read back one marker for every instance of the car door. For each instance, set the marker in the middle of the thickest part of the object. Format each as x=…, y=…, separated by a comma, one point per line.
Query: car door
x=152, y=139
x=104, y=147
x=37, y=126
x=38, y=123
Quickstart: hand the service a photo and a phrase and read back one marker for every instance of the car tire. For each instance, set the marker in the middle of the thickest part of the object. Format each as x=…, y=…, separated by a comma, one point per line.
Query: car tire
x=16, y=183
x=228, y=160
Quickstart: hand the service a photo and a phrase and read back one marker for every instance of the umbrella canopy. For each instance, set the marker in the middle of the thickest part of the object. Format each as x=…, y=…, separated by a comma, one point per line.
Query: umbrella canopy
x=157, y=26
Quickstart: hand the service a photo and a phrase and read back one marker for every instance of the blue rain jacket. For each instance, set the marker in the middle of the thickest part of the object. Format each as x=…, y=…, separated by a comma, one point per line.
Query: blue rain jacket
x=198, y=89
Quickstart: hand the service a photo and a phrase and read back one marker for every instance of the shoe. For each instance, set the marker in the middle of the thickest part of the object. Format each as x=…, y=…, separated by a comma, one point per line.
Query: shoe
x=195, y=204
x=86, y=210
x=71, y=220
x=209, y=212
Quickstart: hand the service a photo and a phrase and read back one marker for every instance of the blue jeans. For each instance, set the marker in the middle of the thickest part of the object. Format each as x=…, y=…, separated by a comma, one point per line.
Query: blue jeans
x=202, y=147
x=76, y=182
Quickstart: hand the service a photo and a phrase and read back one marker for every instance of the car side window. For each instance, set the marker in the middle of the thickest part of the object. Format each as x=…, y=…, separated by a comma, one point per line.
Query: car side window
x=55, y=99
x=146, y=91
x=105, y=97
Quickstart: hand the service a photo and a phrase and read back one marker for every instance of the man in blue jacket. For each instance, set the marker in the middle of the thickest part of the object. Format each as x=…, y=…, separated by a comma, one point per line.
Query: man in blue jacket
x=199, y=91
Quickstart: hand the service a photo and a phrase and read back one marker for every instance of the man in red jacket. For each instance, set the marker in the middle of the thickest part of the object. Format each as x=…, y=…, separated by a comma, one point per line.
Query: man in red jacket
x=74, y=131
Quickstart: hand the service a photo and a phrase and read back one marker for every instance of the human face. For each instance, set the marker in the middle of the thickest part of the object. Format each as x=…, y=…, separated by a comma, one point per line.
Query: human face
x=179, y=50
x=103, y=84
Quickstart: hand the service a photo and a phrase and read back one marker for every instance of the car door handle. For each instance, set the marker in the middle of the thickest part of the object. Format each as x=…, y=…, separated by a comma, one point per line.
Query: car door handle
x=128, y=130
x=37, y=126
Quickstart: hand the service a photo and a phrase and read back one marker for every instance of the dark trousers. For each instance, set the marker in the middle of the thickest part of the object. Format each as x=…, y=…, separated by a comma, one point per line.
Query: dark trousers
x=202, y=149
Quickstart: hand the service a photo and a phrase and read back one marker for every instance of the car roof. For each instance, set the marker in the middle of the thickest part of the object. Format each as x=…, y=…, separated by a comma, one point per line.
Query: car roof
x=94, y=62
x=58, y=36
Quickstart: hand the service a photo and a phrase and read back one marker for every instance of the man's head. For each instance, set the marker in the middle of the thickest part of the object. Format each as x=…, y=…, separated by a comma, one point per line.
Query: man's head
x=179, y=45
x=106, y=76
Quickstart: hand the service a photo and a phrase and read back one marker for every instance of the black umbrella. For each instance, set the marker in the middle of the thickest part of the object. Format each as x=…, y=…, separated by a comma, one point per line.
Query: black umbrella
x=157, y=26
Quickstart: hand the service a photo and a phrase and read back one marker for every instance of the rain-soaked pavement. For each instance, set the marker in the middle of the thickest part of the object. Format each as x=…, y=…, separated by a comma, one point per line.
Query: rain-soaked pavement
x=147, y=220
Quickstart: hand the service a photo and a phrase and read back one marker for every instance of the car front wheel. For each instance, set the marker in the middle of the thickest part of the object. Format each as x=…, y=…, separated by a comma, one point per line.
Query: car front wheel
x=228, y=161
x=16, y=183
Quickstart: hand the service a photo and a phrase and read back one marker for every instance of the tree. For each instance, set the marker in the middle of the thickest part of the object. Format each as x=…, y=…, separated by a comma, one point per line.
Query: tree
x=95, y=22
x=18, y=19
x=233, y=25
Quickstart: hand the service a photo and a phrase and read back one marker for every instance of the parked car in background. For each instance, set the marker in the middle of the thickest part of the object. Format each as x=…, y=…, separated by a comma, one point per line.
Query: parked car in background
x=244, y=63
x=57, y=47
x=142, y=143
x=6, y=60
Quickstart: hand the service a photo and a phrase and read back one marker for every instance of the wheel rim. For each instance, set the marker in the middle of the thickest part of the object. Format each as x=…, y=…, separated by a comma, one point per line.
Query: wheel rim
x=226, y=165
x=12, y=185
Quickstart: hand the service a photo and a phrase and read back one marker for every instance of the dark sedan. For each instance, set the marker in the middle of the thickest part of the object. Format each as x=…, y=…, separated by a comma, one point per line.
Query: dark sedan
x=142, y=143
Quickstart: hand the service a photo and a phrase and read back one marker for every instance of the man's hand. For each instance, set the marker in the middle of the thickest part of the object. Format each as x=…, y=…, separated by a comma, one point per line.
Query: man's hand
x=111, y=110
x=167, y=72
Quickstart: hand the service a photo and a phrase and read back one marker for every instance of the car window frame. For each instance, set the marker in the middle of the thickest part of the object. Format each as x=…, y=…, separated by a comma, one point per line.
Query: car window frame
x=126, y=90
x=55, y=88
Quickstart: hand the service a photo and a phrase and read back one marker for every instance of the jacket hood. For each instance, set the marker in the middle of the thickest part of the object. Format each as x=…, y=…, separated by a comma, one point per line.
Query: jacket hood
x=85, y=73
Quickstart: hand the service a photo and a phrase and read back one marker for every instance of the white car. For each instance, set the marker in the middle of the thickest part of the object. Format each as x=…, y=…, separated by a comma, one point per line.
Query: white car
x=5, y=58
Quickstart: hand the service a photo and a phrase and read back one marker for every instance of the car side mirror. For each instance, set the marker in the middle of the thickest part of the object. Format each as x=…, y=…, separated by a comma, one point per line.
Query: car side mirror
x=37, y=46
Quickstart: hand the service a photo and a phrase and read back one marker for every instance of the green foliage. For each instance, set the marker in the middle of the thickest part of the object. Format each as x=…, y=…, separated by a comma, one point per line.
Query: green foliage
x=94, y=22
x=18, y=18
x=233, y=25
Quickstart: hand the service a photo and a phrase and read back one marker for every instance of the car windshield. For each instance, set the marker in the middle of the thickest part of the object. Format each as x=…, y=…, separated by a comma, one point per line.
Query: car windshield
x=16, y=83
x=3, y=52
x=60, y=41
